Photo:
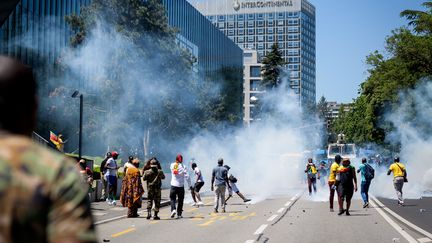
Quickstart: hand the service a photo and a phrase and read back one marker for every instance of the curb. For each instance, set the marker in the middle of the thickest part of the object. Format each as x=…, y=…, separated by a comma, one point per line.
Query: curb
x=163, y=204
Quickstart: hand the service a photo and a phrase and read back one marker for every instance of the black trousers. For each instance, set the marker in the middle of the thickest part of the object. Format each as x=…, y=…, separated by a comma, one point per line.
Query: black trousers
x=177, y=192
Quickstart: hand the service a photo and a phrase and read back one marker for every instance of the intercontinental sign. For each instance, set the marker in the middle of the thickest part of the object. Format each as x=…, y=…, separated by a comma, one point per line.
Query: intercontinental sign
x=263, y=4
x=216, y=7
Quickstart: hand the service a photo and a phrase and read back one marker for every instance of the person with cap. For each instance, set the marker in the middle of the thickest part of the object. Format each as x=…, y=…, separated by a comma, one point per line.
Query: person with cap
x=399, y=178
x=132, y=190
x=103, y=171
x=42, y=197
x=199, y=183
x=233, y=187
x=111, y=176
x=179, y=174
x=332, y=179
x=346, y=183
x=219, y=183
x=154, y=177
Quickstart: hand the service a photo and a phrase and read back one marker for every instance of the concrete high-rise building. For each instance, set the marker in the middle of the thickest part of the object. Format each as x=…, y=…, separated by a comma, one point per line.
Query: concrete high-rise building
x=254, y=24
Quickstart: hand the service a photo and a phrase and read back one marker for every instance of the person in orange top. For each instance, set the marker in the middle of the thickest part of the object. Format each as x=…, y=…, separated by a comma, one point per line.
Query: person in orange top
x=399, y=177
x=132, y=190
x=332, y=180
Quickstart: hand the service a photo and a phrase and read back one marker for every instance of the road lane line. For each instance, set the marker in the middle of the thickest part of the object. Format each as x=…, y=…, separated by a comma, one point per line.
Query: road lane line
x=293, y=198
x=191, y=210
x=403, y=220
x=272, y=218
x=123, y=232
x=424, y=240
x=287, y=204
x=281, y=210
x=399, y=229
x=261, y=229
x=250, y=241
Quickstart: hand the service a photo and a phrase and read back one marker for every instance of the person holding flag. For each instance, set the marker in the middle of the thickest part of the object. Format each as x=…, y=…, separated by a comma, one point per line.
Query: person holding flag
x=57, y=141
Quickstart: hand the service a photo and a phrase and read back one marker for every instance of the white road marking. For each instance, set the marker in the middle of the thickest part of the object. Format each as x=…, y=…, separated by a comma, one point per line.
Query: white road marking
x=293, y=198
x=117, y=209
x=424, y=240
x=397, y=216
x=408, y=237
x=287, y=204
x=281, y=210
x=98, y=214
x=250, y=241
x=272, y=218
x=261, y=229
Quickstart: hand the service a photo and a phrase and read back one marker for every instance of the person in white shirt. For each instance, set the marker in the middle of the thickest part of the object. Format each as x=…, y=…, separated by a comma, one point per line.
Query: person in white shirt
x=233, y=187
x=111, y=175
x=199, y=183
x=178, y=176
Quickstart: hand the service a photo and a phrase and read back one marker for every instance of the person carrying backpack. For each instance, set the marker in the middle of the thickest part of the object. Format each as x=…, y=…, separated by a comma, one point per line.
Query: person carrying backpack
x=311, y=172
x=367, y=174
x=346, y=183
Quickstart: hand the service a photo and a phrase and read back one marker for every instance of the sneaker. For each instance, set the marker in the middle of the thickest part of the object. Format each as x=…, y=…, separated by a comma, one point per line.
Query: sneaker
x=247, y=200
x=114, y=203
x=179, y=216
x=156, y=218
x=366, y=205
x=200, y=204
x=194, y=204
x=341, y=211
x=215, y=211
x=173, y=213
x=347, y=213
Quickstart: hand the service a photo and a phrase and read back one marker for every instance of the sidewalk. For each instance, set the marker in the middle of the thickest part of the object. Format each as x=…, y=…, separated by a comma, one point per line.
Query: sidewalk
x=103, y=213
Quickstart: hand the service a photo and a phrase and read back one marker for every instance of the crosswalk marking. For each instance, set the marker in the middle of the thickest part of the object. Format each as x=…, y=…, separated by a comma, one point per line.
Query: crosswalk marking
x=281, y=210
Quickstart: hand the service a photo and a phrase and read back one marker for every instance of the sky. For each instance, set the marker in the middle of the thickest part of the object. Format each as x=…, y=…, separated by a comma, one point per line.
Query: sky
x=346, y=32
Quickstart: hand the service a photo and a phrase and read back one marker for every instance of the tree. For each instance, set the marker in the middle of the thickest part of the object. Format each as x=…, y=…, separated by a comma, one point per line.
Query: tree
x=273, y=67
x=421, y=20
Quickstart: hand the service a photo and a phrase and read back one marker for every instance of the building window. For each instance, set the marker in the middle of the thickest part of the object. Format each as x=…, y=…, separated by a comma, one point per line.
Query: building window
x=240, y=17
x=260, y=46
x=255, y=84
x=250, y=24
x=270, y=31
x=293, y=37
x=221, y=18
x=280, y=23
x=231, y=25
x=260, y=38
x=221, y=25
x=294, y=44
x=231, y=17
x=230, y=32
x=270, y=38
x=251, y=17
x=260, y=23
x=280, y=30
x=240, y=39
x=281, y=15
x=280, y=38
x=240, y=32
x=251, y=31
x=270, y=23
x=250, y=39
x=260, y=31
x=255, y=71
x=260, y=16
x=270, y=16
x=293, y=29
x=240, y=24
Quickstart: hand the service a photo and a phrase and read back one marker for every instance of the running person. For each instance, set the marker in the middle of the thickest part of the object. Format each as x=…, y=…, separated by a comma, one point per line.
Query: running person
x=233, y=187
x=311, y=172
x=199, y=183
x=367, y=175
x=399, y=177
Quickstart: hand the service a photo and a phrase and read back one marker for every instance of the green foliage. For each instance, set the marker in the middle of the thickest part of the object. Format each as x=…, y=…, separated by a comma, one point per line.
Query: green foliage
x=409, y=60
x=272, y=68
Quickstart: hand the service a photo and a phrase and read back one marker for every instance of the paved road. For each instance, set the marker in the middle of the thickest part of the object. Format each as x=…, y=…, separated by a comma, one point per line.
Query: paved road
x=417, y=211
x=281, y=219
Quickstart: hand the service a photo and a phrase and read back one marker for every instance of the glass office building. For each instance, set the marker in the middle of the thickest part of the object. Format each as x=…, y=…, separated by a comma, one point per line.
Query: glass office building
x=212, y=48
x=258, y=24
x=36, y=29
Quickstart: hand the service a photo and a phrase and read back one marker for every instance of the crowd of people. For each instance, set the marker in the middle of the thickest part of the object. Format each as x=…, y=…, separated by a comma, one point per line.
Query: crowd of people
x=342, y=179
x=152, y=174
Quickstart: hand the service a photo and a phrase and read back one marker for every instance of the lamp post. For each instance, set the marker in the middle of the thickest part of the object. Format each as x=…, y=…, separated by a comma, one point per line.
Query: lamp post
x=75, y=95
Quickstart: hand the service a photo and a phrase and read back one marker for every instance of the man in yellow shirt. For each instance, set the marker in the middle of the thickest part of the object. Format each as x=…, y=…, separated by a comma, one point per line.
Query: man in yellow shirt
x=399, y=177
x=332, y=179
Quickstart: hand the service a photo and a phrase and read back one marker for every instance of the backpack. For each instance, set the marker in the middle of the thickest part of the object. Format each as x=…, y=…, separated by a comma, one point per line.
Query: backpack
x=312, y=171
x=369, y=172
x=346, y=175
x=232, y=179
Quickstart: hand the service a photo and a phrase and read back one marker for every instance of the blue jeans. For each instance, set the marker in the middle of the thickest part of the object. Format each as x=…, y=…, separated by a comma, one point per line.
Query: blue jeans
x=365, y=190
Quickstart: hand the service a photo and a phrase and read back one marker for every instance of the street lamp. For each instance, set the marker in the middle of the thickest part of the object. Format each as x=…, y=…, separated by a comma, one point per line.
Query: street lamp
x=75, y=95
